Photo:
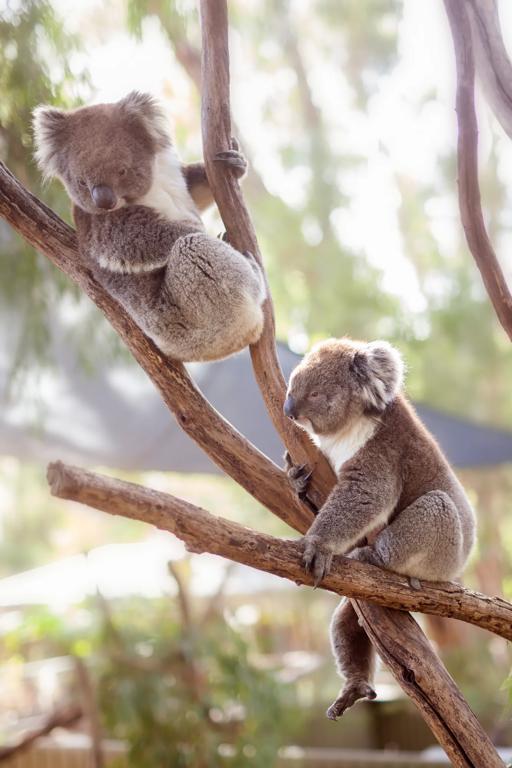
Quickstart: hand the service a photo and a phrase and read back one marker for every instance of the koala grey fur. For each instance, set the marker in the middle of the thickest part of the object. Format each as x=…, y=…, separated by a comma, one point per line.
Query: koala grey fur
x=397, y=503
x=136, y=210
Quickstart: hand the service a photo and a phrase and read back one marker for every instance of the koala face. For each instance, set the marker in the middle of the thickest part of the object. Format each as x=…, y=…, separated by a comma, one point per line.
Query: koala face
x=103, y=154
x=340, y=381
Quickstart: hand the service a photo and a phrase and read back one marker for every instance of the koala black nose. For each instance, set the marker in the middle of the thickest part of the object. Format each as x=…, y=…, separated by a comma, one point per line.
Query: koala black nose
x=104, y=197
x=289, y=407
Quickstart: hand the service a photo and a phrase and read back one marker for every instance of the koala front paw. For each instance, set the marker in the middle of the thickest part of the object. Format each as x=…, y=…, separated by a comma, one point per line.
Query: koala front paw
x=234, y=158
x=298, y=476
x=317, y=558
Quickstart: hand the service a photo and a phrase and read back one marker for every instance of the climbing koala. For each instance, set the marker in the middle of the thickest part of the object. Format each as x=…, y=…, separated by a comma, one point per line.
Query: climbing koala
x=396, y=504
x=136, y=210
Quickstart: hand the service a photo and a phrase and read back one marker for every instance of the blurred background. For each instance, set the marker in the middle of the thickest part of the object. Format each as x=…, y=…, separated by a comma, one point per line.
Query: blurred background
x=346, y=113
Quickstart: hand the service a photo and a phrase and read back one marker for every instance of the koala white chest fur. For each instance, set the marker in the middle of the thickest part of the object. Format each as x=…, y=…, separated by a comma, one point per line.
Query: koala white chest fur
x=168, y=193
x=341, y=446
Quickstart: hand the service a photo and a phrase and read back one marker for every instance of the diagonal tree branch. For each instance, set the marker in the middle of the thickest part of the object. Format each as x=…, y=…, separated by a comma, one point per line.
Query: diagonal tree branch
x=64, y=717
x=467, y=163
x=431, y=688
x=204, y=532
x=222, y=442
x=415, y=663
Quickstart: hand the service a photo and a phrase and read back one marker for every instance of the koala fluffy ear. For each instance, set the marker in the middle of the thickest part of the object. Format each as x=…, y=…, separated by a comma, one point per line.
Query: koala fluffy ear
x=50, y=132
x=380, y=372
x=147, y=110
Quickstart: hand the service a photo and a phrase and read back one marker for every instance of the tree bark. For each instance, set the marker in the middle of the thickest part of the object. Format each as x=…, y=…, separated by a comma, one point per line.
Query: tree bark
x=203, y=532
x=417, y=668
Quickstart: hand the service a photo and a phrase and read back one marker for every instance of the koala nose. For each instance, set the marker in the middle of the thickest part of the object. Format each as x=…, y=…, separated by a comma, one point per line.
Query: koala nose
x=104, y=197
x=289, y=407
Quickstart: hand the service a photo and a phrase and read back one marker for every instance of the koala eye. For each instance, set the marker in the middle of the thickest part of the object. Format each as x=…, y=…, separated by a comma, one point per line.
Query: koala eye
x=82, y=183
x=314, y=394
x=123, y=172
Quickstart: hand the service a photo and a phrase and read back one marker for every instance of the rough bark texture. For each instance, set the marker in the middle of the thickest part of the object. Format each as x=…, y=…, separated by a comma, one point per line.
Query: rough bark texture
x=467, y=164
x=267, y=553
x=430, y=687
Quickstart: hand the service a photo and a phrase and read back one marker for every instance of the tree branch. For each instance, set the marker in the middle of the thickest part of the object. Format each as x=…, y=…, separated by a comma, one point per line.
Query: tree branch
x=416, y=666
x=222, y=442
x=216, y=127
x=467, y=164
x=204, y=532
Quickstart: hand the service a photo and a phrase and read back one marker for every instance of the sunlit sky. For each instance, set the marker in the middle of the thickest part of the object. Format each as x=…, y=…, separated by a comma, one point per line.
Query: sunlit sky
x=397, y=135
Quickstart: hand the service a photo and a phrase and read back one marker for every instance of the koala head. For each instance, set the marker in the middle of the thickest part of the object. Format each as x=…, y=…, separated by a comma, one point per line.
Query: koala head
x=103, y=154
x=340, y=381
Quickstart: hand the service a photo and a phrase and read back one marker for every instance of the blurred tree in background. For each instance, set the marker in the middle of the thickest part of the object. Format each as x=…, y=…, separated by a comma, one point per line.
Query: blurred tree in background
x=174, y=678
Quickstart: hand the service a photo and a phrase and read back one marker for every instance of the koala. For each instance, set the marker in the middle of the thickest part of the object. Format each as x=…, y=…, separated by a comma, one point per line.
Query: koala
x=137, y=214
x=396, y=504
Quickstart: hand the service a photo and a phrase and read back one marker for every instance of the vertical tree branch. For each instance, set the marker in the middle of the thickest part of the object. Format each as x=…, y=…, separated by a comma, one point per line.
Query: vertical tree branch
x=467, y=164
x=216, y=127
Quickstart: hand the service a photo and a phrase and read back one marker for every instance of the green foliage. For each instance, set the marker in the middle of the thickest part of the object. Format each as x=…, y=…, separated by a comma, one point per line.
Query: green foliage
x=37, y=66
x=179, y=689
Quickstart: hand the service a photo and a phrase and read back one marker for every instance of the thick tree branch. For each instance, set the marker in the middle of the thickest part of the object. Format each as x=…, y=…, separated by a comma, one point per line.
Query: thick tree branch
x=222, y=442
x=216, y=126
x=430, y=687
x=204, y=532
x=467, y=163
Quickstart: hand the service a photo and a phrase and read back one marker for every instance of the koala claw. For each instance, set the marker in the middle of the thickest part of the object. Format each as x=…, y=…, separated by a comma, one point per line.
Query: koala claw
x=234, y=158
x=351, y=693
x=298, y=476
x=414, y=583
x=223, y=236
x=317, y=559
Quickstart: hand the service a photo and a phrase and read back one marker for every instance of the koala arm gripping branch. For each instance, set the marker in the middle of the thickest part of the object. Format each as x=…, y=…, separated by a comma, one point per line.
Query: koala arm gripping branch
x=363, y=498
x=132, y=239
x=197, y=181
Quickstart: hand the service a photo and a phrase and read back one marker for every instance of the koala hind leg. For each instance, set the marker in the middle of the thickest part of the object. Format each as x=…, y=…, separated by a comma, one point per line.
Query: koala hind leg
x=425, y=541
x=355, y=659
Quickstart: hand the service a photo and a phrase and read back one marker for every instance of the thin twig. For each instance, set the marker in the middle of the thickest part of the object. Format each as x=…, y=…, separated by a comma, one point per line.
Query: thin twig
x=61, y=718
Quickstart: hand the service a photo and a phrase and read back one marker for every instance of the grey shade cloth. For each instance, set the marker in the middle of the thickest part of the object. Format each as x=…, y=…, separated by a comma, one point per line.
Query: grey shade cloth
x=114, y=417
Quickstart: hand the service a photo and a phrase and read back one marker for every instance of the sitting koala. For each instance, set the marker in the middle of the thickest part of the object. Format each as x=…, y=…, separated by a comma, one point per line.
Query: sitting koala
x=136, y=210
x=394, y=486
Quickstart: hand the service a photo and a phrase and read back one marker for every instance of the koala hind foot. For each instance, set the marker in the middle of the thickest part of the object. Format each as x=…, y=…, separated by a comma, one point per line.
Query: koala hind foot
x=317, y=558
x=351, y=693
